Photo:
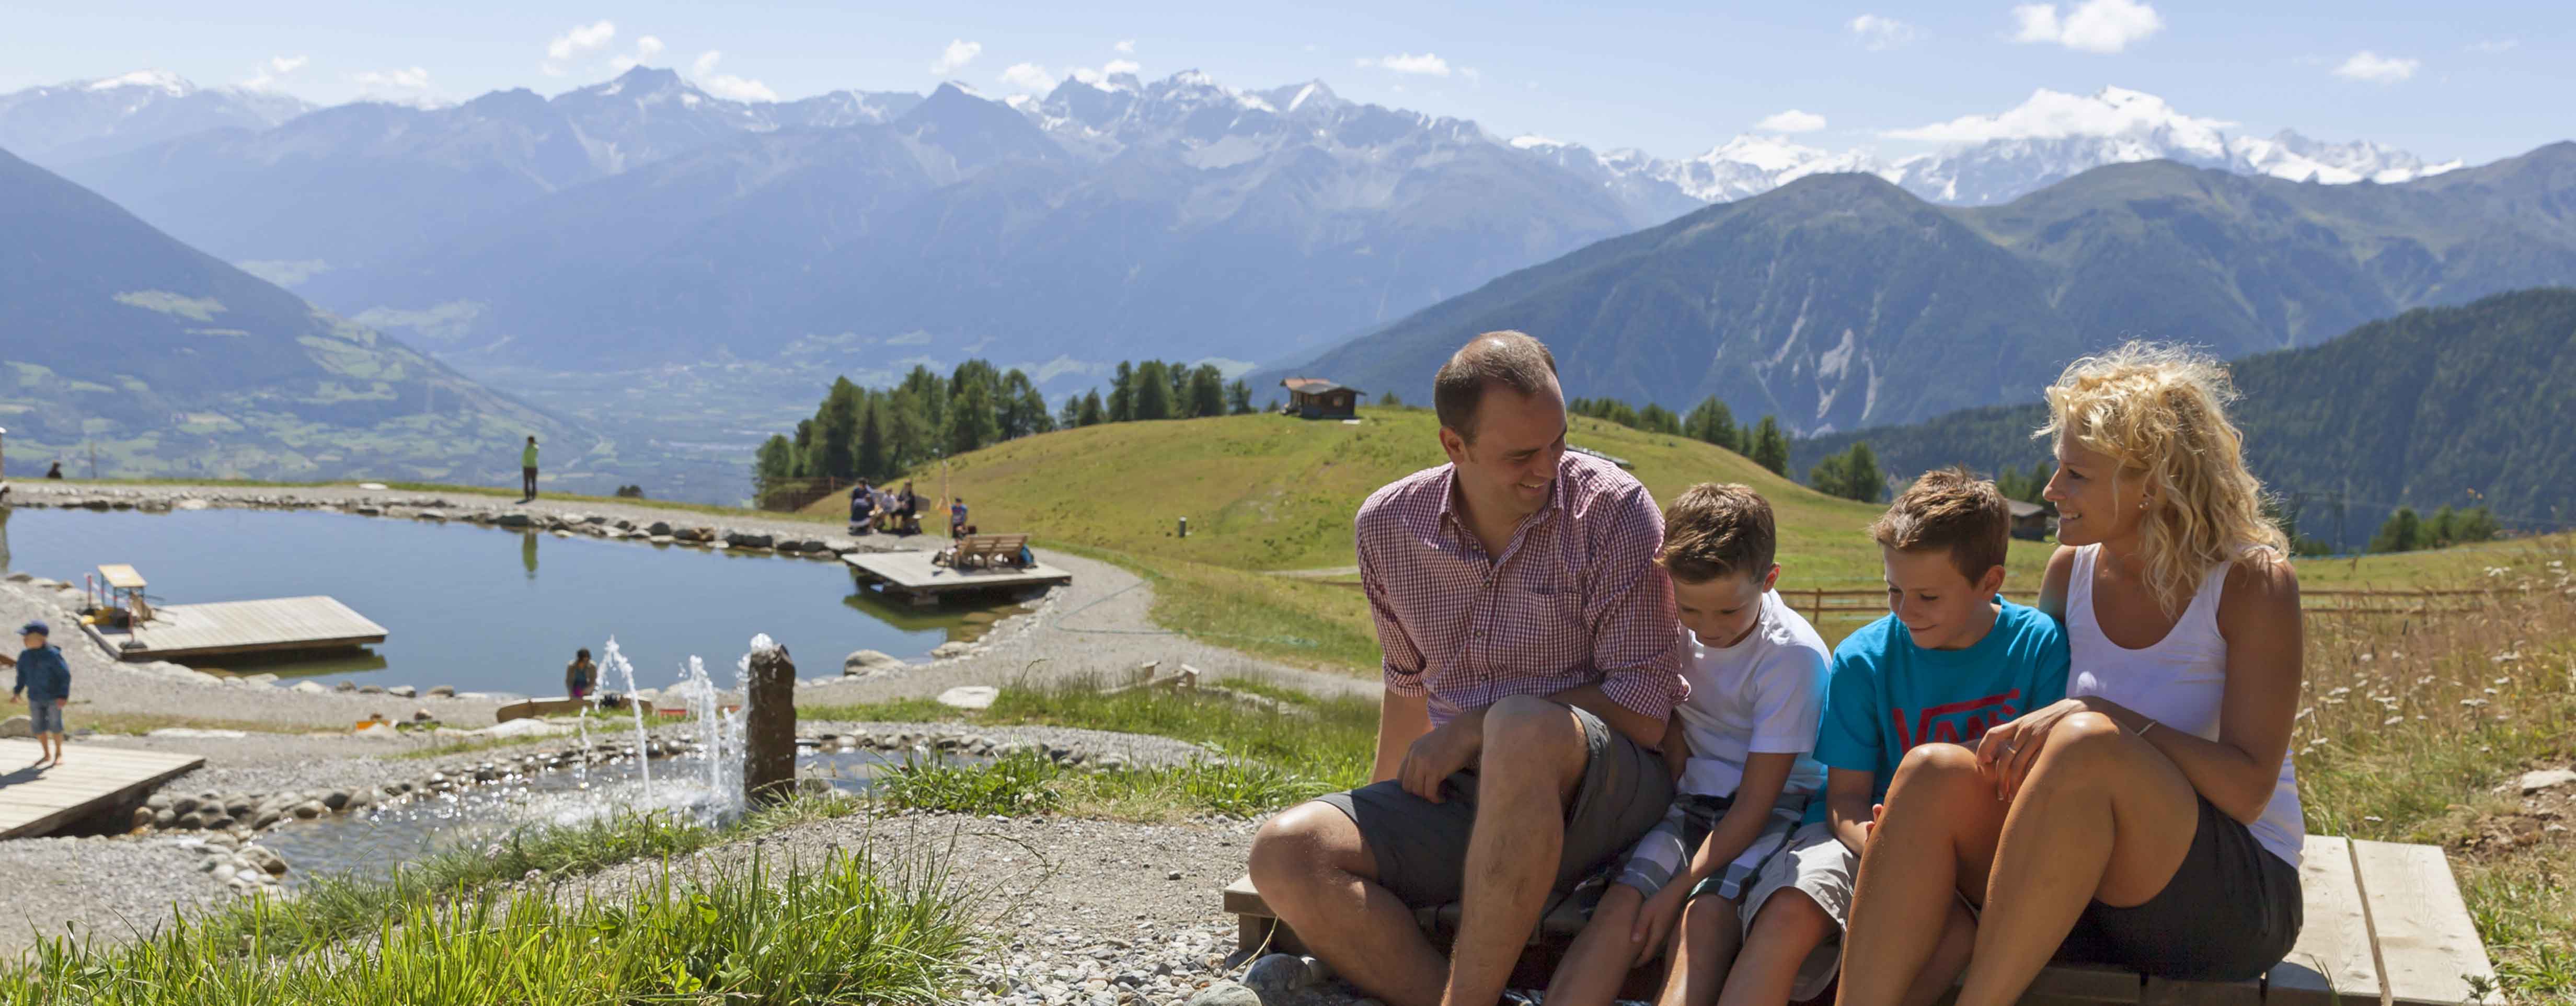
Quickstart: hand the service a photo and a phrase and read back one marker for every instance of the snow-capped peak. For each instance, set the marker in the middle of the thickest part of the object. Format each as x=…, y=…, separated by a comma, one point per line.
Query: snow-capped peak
x=160, y=80
x=2297, y=158
x=1533, y=141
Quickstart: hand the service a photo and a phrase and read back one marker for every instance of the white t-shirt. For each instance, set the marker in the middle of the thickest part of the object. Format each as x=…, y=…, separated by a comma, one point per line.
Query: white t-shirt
x=1764, y=695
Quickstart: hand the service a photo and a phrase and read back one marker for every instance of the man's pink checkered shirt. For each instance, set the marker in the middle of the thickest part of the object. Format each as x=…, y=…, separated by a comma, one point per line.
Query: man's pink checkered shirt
x=1575, y=598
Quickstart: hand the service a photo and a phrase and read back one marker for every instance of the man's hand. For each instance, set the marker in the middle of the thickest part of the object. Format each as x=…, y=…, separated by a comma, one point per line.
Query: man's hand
x=1655, y=920
x=1677, y=753
x=1438, y=754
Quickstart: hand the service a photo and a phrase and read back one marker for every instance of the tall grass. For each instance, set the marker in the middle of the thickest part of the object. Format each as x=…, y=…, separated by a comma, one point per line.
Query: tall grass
x=859, y=928
x=2411, y=725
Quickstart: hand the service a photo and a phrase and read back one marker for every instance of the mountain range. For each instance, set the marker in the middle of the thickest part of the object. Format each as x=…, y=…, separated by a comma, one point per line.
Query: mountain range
x=2473, y=405
x=1842, y=301
x=70, y=123
x=1107, y=219
x=167, y=361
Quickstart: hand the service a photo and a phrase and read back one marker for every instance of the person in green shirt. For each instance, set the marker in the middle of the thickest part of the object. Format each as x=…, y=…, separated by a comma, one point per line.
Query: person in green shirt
x=528, y=470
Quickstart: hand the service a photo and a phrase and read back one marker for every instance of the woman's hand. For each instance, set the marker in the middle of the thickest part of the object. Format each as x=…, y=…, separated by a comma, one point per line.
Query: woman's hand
x=2008, y=750
x=1655, y=920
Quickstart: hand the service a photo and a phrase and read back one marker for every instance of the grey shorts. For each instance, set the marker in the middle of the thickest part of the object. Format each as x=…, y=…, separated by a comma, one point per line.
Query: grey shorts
x=1820, y=866
x=2231, y=911
x=1421, y=847
x=44, y=716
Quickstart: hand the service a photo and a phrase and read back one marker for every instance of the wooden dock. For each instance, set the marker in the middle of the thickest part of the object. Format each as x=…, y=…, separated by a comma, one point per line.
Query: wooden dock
x=231, y=627
x=912, y=575
x=97, y=779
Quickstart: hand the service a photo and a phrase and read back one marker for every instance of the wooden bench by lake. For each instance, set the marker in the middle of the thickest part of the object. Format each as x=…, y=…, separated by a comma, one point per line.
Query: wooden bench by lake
x=914, y=577
x=987, y=550
x=2384, y=924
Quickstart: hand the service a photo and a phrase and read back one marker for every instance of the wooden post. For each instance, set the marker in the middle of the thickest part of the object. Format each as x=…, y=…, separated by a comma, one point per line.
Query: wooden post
x=769, y=729
x=1816, y=614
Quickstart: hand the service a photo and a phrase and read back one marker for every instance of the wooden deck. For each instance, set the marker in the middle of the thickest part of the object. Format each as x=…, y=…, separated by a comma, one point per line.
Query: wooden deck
x=911, y=574
x=2384, y=924
x=228, y=627
x=96, y=779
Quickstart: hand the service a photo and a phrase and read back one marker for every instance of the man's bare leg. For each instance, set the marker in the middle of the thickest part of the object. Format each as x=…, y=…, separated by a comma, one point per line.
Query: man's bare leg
x=1594, y=967
x=1703, y=952
x=1312, y=867
x=1533, y=758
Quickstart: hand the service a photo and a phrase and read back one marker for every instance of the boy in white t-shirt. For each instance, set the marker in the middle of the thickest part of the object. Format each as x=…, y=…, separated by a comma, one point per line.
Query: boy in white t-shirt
x=1741, y=748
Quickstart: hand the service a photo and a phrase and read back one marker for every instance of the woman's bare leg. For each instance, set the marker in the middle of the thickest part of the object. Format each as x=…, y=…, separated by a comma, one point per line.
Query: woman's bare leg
x=2102, y=815
x=1936, y=840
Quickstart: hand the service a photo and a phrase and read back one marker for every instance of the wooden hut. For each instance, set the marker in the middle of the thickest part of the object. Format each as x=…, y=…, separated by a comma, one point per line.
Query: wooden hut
x=2034, y=521
x=1317, y=398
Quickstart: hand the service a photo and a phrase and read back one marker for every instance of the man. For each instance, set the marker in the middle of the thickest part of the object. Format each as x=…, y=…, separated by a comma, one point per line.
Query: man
x=46, y=683
x=863, y=507
x=1531, y=658
x=528, y=471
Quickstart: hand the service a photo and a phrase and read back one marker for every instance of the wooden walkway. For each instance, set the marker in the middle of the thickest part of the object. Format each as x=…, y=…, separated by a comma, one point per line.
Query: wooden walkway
x=270, y=626
x=2384, y=924
x=96, y=779
x=912, y=575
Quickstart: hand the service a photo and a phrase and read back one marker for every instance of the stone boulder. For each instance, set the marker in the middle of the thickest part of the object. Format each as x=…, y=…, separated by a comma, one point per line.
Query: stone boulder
x=970, y=697
x=403, y=691
x=660, y=528
x=514, y=518
x=863, y=662
x=311, y=687
x=17, y=726
x=947, y=650
x=746, y=539
x=443, y=691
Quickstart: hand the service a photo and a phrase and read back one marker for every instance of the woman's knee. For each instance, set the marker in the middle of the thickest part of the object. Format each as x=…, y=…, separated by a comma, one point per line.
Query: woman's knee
x=2086, y=737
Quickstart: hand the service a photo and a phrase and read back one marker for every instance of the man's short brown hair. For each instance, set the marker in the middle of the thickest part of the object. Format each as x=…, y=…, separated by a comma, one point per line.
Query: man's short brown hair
x=1953, y=511
x=1508, y=358
x=1716, y=530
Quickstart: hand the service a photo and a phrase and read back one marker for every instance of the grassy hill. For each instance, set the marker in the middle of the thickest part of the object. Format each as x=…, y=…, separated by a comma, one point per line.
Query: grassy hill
x=1266, y=493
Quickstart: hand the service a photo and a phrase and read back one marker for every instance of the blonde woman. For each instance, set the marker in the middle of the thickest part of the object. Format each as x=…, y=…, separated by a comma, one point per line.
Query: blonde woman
x=2150, y=820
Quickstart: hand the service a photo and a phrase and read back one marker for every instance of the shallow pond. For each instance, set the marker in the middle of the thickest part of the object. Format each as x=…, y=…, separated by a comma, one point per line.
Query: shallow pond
x=480, y=608
x=373, y=842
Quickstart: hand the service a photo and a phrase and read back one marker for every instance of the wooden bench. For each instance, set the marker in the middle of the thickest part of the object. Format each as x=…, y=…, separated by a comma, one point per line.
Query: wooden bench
x=985, y=549
x=2384, y=924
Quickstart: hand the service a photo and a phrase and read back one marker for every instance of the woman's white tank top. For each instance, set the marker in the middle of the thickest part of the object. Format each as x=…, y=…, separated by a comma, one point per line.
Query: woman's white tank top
x=2179, y=682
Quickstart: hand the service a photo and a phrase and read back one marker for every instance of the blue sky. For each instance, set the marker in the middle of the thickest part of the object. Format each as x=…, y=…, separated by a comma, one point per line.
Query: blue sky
x=2470, y=79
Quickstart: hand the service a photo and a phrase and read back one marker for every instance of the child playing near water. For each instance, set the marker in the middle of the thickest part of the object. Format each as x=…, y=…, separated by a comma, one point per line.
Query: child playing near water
x=1950, y=659
x=1738, y=745
x=46, y=683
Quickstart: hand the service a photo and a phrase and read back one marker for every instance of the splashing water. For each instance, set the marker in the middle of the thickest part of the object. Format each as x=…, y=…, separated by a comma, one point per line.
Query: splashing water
x=610, y=660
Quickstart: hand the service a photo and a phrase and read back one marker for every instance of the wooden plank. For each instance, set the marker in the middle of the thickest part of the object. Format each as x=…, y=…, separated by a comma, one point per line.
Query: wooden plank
x=914, y=573
x=2167, y=992
x=2072, y=984
x=121, y=576
x=95, y=779
x=2428, y=945
x=1242, y=899
x=227, y=627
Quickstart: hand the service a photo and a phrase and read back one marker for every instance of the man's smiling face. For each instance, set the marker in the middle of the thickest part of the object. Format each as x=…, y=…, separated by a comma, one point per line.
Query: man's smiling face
x=1509, y=469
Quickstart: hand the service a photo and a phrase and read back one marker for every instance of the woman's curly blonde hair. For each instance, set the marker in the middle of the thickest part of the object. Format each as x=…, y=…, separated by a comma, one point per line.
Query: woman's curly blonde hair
x=2161, y=412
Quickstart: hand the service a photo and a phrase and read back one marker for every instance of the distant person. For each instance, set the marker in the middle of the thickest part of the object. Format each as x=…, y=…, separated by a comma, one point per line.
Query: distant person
x=581, y=675
x=56, y=472
x=45, y=684
x=957, y=518
x=863, y=507
x=528, y=471
x=885, y=509
x=909, y=509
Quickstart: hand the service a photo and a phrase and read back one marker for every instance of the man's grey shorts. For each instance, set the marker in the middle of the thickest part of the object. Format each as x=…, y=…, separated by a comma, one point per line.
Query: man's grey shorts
x=1421, y=847
x=44, y=716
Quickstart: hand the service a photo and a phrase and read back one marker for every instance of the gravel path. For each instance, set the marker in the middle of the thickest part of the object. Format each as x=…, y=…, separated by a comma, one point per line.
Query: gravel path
x=109, y=888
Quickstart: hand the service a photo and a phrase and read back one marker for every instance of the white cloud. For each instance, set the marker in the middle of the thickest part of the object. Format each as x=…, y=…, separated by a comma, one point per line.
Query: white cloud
x=1878, y=34
x=2052, y=115
x=1118, y=66
x=2494, y=44
x=726, y=85
x=1028, y=77
x=959, y=53
x=1126, y=46
x=413, y=79
x=1791, y=121
x=2090, y=26
x=2373, y=67
x=271, y=69
x=1426, y=64
x=1473, y=75
x=646, y=48
x=581, y=39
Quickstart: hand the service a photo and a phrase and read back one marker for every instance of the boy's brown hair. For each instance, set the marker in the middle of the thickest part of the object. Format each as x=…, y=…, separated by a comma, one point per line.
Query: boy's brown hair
x=1954, y=511
x=1714, y=530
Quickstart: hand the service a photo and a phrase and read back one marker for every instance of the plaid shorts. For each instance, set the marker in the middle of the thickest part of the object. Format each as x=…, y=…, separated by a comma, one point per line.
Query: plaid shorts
x=1666, y=850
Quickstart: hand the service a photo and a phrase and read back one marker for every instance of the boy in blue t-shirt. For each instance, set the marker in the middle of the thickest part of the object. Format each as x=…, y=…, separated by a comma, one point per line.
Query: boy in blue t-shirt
x=1950, y=660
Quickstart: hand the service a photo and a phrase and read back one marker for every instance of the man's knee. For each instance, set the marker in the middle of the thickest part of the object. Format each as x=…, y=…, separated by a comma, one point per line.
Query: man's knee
x=1530, y=726
x=1304, y=844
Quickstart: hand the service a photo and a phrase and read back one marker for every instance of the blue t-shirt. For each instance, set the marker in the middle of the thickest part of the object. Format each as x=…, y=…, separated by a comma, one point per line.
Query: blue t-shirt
x=1887, y=695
